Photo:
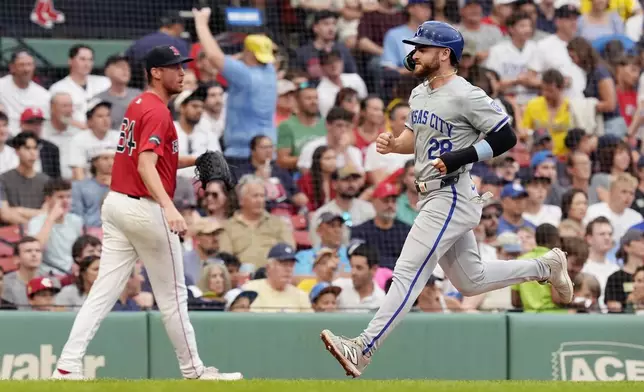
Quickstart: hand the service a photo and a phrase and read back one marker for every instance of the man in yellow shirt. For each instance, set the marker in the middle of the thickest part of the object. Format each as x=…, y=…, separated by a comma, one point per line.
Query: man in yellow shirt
x=625, y=8
x=550, y=111
x=276, y=293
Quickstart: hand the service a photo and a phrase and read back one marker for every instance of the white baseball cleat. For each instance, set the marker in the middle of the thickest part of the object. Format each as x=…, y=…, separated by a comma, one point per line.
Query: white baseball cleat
x=213, y=374
x=57, y=375
x=559, y=279
x=346, y=351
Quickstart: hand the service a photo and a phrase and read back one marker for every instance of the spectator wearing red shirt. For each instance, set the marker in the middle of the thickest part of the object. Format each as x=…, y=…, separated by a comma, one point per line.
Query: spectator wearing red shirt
x=316, y=184
x=627, y=72
x=372, y=122
x=500, y=13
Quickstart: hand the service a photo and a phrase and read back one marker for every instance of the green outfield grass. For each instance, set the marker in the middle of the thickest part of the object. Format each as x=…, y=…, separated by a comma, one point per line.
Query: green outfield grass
x=315, y=386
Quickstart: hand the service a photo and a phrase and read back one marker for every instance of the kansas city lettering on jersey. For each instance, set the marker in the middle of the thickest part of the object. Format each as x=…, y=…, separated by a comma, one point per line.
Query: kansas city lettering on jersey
x=426, y=118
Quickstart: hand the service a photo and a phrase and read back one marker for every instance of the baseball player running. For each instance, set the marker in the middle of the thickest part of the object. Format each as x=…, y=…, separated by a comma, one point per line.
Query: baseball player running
x=141, y=222
x=448, y=115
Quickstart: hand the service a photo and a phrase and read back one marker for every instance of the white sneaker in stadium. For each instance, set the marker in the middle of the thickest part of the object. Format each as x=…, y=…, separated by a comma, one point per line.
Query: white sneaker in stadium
x=58, y=375
x=559, y=279
x=346, y=351
x=213, y=374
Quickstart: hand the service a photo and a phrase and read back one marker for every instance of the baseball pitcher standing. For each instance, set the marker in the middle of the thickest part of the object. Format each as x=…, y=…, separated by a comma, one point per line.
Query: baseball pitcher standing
x=140, y=221
x=448, y=117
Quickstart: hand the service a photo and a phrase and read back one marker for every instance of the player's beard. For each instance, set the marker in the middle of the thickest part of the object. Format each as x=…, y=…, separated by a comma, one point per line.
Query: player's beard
x=427, y=70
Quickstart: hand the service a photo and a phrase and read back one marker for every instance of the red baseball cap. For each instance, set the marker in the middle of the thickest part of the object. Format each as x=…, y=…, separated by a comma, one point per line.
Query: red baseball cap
x=42, y=283
x=32, y=114
x=385, y=189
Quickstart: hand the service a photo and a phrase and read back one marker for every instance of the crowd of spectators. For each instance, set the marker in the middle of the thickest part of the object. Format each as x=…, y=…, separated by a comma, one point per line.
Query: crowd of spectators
x=318, y=217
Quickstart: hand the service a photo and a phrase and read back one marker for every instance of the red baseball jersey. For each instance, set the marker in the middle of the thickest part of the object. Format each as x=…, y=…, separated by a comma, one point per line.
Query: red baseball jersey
x=147, y=126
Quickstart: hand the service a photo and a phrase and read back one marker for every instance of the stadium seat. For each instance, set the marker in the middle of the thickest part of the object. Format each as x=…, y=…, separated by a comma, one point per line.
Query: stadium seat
x=299, y=222
x=7, y=264
x=9, y=235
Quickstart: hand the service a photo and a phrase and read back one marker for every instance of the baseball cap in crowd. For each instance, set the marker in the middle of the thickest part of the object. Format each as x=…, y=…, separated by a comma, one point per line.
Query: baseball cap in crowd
x=541, y=138
x=509, y=242
x=384, y=190
x=469, y=48
x=566, y=9
x=42, y=283
x=608, y=141
x=532, y=179
x=101, y=152
x=513, y=191
x=233, y=295
x=348, y=170
x=261, y=47
x=540, y=157
x=164, y=56
x=504, y=2
x=96, y=103
x=171, y=18
x=284, y=87
x=282, y=252
x=32, y=115
x=115, y=59
x=207, y=226
x=322, y=253
x=323, y=288
x=492, y=203
x=630, y=236
x=328, y=217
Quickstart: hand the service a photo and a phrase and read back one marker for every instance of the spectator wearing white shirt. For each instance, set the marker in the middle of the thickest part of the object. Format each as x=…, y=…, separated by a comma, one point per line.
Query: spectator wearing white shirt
x=99, y=136
x=360, y=293
x=530, y=7
x=616, y=210
x=536, y=211
x=59, y=131
x=338, y=124
x=552, y=52
x=117, y=69
x=333, y=79
x=8, y=157
x=193, y=141
x=509, y=58
x=18, y=91
x=213, y=118
x=79, y=83
x=379, y=166
x=599, y=237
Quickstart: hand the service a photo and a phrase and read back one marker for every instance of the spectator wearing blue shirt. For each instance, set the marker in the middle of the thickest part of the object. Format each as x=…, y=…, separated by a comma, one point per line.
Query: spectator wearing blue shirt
x=252, y=88
x=330, y=232
x=513, y=199
x=281, y=190
x=384, y=232
x=394, y=50
x=169, y=33
x=88, y=194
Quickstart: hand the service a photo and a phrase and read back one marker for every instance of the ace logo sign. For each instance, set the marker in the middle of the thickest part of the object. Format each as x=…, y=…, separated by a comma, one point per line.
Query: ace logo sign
x=598, y=361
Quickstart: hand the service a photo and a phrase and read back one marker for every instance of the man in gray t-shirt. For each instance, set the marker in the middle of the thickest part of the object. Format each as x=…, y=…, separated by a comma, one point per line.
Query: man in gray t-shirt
x=29, y=259
x=483, y=35
x=119, y=94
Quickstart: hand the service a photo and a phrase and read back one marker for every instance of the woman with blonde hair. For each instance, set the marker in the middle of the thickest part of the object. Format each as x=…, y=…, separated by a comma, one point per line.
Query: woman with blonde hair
x=210, y=291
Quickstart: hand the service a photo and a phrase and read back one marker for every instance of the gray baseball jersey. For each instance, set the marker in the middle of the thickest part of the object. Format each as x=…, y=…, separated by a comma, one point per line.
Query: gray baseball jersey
x=448, y=119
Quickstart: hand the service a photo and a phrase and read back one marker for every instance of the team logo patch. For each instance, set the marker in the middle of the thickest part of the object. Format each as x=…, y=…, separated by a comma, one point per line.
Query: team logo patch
x=155, y=139
x=496, y=107
x=175, y=146
x=175, y=51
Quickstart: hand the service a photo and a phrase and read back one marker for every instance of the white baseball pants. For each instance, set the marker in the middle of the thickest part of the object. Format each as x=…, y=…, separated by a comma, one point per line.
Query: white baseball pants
x=442, y=233
x=136, y=229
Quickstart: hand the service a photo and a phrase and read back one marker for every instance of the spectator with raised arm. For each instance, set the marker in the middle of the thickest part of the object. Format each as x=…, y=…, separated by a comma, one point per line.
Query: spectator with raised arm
x=57, y=228
x=18, y=91
x=88, y=194
x=248, y=113
x=80, y=83
x=22, y=190
x=27, y=254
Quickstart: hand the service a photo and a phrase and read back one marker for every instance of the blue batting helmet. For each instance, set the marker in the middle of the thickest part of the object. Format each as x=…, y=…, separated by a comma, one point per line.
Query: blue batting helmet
x=439, y=34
